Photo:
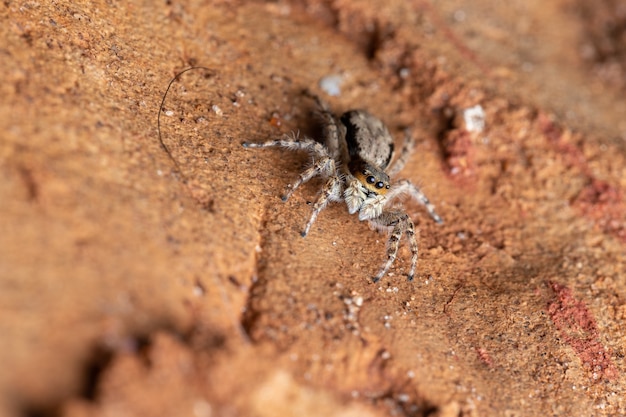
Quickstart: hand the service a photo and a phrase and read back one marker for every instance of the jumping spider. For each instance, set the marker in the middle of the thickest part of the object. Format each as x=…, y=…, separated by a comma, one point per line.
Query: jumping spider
x=356, y=161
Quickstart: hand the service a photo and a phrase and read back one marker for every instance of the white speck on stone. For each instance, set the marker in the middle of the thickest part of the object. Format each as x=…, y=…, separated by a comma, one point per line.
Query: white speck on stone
x=217, y=110
x=331, y=85
x=198, y=291
x=201, y=408
x=403, y=398
x=474, y=118
x=169, y=113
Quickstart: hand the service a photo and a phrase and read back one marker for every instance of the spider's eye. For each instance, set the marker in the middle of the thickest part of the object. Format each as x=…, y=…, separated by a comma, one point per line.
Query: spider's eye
x=371, y=180
x=387, y=187
x=380, y=185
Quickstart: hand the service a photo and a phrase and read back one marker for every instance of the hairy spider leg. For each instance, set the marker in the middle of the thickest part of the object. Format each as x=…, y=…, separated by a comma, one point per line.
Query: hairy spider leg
x=330, y=192
x=405, y=153
x=324, y=166
x=402, y=224
x=407, y=187
x=331, y=130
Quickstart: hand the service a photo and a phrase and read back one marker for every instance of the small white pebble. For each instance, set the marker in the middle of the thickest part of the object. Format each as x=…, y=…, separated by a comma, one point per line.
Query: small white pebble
x=474, y=118
x=403, y=398
x=331, y=85
x=201, y=408
x=217, y=110
x=198, y=291
x=459, y=15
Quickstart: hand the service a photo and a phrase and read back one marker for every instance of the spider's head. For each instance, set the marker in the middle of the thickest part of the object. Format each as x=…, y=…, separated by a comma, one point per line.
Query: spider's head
x=366, y=191
x=373, y=179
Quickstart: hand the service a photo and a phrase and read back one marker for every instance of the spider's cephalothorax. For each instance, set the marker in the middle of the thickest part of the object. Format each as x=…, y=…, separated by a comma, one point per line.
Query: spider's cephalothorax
x=356, y=159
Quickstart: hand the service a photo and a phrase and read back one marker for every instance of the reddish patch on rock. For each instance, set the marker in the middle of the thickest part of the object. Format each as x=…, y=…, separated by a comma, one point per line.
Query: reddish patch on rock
x=599, y=201
x=604, y=203
x=579, y=330
x=457, y=147
x=484, y=356
x=571, y=154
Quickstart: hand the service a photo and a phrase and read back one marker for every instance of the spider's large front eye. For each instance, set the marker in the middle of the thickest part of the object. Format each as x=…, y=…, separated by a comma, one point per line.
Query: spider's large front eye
x=379, y=185
x=371, y=180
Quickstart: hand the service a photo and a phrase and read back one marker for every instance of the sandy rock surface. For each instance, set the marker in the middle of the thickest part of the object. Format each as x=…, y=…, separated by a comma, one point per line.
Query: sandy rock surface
x=134, y=284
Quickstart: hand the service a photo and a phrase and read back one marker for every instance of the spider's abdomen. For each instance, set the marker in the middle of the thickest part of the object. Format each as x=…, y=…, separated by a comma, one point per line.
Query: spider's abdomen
x=367, y=138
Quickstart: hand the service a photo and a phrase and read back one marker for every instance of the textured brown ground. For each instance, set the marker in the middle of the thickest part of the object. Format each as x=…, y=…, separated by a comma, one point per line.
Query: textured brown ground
x=128, y=288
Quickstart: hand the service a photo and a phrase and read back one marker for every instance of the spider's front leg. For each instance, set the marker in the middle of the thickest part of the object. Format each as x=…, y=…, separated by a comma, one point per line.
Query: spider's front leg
x=407, y=187
x=324, y=165
x=402, y=224
x=331, y=192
